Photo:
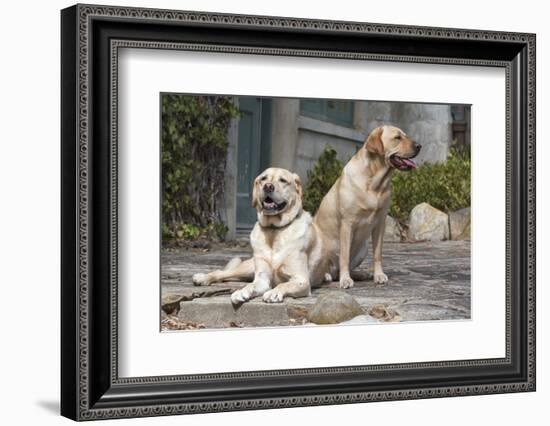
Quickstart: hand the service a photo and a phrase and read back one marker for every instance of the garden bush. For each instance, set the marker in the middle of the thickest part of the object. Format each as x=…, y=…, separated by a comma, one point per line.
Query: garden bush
x=444, y=185
x=194, y=149
x=320, y=178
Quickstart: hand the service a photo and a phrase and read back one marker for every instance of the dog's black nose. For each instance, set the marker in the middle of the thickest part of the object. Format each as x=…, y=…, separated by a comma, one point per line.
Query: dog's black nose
x=417, y=147
x=268, y=187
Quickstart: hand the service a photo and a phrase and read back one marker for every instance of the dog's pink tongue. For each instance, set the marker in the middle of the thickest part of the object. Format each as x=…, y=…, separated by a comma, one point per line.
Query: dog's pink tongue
x=409, y=163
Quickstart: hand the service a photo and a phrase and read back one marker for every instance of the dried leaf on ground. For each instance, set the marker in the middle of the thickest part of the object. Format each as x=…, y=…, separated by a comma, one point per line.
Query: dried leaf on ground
x=384, y=313
x=174, y=323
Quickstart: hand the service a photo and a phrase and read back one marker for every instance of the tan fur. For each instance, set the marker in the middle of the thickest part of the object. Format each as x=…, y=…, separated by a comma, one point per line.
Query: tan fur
x=374, y=142
x=356, y=206
x=335, y=242
x=285, y=243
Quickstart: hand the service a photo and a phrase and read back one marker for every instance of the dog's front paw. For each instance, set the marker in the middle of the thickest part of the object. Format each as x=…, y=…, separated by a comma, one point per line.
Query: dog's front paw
x=244, y=294
x=346, y=282
x=273, y=296
x=201, y=279
x=380, y=278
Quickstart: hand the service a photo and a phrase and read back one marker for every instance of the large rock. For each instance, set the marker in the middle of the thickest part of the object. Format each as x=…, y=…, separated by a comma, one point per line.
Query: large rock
x=392, y=232
x=459, y=224
x=333, y=308
x=428, y=223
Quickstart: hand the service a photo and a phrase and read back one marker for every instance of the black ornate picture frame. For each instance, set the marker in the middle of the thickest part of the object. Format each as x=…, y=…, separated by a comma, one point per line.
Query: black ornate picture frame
x=91, y=36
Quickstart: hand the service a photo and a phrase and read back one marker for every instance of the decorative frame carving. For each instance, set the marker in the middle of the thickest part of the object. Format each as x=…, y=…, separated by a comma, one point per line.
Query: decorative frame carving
x=91, y=388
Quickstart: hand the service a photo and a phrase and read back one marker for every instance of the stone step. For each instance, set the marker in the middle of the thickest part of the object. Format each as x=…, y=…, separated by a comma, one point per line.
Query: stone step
x=217, y=312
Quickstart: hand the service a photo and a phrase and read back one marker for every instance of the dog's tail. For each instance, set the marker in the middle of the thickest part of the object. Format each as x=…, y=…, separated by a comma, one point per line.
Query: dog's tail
x=233, y=263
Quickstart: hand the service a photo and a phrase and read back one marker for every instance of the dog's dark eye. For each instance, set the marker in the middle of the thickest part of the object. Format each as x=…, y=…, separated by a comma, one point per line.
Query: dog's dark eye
x=263, y=178
x=283, y=180
x=398, y=137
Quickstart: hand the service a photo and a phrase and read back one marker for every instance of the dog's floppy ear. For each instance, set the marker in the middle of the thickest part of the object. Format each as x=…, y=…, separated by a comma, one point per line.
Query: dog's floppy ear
x=298, y=184
x=374, y=141
x=255, y=190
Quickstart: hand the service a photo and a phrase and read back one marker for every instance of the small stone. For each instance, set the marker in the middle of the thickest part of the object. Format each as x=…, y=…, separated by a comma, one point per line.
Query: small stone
x=171, y=303
x=392, y=233
x=428, y=224
x=466, y=233
x=459, y=224
x=333, y=308
x=201, y=244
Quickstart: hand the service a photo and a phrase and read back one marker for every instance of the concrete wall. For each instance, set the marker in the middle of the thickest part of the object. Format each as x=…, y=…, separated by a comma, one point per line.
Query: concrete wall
x=228, y=202
x=314, y=135
x=298, y=140
x=429, y=125
x=284, y=132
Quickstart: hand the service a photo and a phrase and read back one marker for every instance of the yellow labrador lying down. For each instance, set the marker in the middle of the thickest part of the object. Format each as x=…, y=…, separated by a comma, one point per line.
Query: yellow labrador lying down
x=285, y=242
x=292, y=252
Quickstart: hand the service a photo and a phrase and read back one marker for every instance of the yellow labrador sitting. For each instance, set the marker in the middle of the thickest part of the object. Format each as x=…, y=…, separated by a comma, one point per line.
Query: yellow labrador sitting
x=356, y=206
x=287, y=251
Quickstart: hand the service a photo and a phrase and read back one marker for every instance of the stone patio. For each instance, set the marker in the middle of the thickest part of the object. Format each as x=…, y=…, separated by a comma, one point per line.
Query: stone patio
x=427, y=281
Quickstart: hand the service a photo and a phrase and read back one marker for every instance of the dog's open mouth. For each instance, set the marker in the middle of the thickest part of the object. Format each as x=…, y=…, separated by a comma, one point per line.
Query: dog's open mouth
x=271, y=206
x=402, y=163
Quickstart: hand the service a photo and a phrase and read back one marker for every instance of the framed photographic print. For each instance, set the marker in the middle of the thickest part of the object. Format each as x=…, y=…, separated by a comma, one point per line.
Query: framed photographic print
x=263, y=212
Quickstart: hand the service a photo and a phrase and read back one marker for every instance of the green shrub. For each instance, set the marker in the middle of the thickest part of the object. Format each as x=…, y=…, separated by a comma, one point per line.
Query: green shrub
x=320, y=178
x=444, y=185
x=194, y=149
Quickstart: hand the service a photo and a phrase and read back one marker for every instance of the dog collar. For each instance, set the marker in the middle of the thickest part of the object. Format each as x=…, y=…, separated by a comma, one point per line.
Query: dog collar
x=271, y=226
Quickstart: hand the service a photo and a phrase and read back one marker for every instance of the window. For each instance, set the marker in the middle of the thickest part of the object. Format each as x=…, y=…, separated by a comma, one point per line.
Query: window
x=334, y=111
x=458, y=112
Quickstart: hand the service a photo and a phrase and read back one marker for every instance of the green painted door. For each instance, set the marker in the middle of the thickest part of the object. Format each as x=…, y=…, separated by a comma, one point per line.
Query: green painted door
x=253, y=153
